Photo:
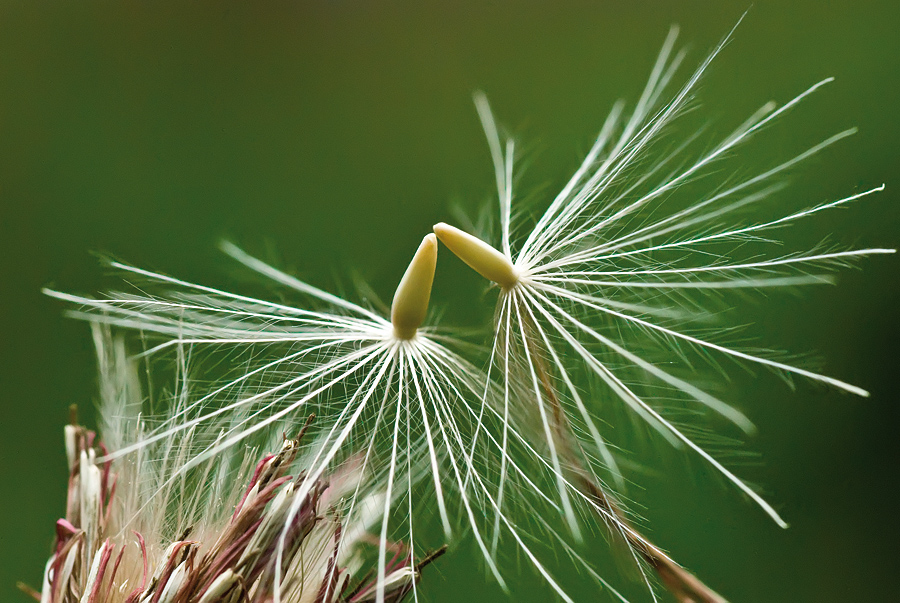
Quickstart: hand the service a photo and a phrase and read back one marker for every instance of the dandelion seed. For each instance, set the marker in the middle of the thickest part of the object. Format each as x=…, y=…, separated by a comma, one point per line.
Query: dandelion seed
x=610, y=278
x=392, y=393
x=204, y=538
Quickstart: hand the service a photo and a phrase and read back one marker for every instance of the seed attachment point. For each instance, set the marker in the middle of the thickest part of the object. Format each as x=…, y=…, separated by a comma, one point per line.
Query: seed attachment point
x=410, y=303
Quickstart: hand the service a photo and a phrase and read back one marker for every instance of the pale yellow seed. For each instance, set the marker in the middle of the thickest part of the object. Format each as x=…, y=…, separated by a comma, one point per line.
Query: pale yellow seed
x=410, y=303
x=481, y=257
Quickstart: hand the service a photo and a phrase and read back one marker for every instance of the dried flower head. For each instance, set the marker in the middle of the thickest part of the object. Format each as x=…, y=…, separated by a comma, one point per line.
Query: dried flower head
x=235, y=530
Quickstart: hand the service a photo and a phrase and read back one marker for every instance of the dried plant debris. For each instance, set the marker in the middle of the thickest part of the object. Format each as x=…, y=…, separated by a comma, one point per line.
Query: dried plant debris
x=95, y=561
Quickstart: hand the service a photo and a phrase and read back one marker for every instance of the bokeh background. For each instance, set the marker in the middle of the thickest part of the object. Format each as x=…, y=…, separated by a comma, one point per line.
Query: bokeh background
x=333, y=134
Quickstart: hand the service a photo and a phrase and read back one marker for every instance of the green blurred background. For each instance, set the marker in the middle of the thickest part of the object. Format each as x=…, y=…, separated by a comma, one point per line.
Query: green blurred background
x=335, y=133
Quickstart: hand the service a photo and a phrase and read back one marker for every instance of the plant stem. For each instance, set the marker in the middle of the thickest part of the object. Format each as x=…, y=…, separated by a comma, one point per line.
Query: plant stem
x=682, y=584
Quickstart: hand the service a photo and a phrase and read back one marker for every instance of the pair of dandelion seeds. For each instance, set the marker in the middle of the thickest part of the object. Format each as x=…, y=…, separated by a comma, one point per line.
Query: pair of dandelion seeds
x=604, y=308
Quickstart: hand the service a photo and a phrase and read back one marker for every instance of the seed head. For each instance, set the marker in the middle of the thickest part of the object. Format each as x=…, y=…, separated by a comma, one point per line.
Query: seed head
x=202, y=539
